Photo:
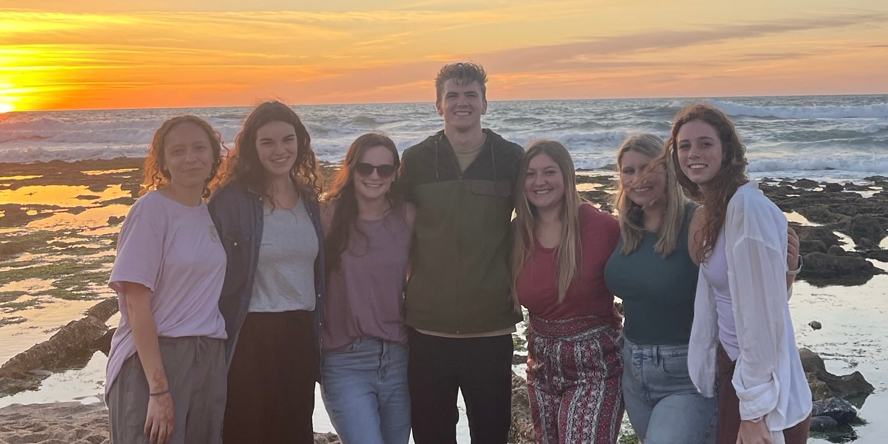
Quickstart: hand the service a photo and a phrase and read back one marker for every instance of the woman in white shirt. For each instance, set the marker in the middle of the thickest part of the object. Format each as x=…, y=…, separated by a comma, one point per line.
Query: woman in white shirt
x=741, y=311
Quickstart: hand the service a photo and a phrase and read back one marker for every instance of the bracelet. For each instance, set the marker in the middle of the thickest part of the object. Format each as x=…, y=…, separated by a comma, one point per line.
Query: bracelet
x=797, y=270
x=163, y=392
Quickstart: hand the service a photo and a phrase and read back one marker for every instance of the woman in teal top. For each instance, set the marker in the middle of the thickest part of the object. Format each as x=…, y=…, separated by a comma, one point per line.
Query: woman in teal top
x=652, y=272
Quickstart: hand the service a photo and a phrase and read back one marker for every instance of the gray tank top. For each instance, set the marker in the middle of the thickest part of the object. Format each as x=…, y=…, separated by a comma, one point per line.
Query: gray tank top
x=365, y=296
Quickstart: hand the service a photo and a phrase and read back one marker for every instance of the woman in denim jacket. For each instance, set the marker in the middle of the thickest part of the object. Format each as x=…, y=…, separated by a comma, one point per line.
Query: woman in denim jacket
x=268, y=218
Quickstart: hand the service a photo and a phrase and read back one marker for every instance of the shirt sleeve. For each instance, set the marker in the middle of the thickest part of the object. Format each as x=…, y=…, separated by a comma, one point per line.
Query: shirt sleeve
x=139, y=250
x=757, y=273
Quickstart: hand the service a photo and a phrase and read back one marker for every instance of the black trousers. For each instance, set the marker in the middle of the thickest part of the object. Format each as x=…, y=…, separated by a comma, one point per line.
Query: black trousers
x=271, y=381
x=479, y=367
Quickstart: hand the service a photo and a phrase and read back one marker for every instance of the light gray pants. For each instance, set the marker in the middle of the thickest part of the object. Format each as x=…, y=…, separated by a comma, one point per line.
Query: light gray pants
x=195, y=370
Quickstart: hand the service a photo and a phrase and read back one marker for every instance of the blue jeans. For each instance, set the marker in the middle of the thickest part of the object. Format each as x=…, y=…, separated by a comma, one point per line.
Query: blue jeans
x=663, y=405
x=365, y=392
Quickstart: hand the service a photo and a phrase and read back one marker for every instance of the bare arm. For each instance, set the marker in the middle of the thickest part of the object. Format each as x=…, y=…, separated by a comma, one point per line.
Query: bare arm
x=159, y=421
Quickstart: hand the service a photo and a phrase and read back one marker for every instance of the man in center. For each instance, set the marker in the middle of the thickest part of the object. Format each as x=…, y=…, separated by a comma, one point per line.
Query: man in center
x=459, y=307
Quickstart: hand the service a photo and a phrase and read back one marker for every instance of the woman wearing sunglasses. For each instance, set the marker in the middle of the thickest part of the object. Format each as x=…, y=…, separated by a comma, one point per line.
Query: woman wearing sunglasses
x=367, y=229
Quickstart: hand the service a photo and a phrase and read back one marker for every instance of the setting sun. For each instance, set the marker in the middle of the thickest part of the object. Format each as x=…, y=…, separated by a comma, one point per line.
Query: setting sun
x=6, y=107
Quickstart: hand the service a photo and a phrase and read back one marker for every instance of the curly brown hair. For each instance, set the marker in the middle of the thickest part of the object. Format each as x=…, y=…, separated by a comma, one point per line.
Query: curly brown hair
x=723, y=186
x=243, y=166
x=342, y=195
x=155, y=175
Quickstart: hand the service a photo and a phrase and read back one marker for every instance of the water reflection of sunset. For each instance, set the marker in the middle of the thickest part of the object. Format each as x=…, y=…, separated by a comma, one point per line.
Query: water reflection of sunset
x=59, y=195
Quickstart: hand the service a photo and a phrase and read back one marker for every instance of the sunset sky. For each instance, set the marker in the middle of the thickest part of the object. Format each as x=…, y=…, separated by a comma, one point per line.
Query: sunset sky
x=90, y=54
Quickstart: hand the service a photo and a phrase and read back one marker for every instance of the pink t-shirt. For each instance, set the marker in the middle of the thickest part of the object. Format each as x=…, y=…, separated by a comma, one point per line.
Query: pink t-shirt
x=588, y=294
x=174, y=251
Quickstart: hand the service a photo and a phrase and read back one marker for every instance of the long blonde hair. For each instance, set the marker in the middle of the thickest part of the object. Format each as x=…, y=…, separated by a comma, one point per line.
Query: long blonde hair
x=631, y=215
x=569, y=250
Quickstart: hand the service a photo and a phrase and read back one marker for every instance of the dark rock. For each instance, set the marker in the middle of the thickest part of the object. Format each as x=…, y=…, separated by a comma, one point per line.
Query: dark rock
x=853, y=385
x=864, y=243
x=815, y=325
x=836, y=408
x=877, y=255
x=73, y=339
x=833, y=187
x=326, y=438
x=11, y=248
x=521, y=429
x=869, y=227
x=876, y=178
x=103, y=344
x=819, y=214
x=619, y=307
x=97, y=187
x=823, y=424
x=814, y=246
x=76, y=210
x=823, y=269
x=88, y=197
x=823, y=234
x=104, y=310
x=519, y=359
x=806, y=183
x=836, y=250
x=14, y=217
x=114, y=220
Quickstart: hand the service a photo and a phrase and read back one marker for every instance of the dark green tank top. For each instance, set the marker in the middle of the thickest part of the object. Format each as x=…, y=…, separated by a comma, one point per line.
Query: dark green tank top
x=658, y=294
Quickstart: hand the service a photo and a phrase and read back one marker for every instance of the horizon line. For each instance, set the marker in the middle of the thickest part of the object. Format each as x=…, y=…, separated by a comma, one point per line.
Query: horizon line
x=427, y=102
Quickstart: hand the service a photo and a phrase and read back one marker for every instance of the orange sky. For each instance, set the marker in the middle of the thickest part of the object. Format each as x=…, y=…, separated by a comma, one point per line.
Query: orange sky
x=84, y=54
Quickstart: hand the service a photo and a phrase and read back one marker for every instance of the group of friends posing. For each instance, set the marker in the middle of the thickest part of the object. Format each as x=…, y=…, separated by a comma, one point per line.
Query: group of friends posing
x=404, y=284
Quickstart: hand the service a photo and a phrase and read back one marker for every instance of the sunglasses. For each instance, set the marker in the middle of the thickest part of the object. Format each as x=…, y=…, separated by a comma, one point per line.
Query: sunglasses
x=384, y=171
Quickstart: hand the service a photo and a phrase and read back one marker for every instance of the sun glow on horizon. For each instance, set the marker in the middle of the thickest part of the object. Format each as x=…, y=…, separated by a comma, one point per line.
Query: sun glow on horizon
x=87, y=56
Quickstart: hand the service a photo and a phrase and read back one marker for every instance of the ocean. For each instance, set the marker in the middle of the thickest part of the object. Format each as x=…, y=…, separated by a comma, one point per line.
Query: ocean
x=820, y=137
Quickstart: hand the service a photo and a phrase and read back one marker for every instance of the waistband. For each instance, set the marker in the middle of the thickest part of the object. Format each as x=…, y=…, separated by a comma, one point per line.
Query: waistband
x=655, y=352
x=563, y=328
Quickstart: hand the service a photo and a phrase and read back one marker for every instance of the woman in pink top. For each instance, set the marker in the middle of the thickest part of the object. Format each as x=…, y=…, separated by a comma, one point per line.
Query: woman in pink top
x=561, y=247
x=368, y=228
x=166, y=369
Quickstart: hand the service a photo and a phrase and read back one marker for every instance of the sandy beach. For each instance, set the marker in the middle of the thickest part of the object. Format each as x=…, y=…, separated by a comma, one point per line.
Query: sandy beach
x=58, y=227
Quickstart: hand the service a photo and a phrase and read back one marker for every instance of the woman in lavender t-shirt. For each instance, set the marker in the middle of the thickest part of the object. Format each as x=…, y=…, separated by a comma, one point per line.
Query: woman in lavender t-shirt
x=368, y=229
x=166, y=369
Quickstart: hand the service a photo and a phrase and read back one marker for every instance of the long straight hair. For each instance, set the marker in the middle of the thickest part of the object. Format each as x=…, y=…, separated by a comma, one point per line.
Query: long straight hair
x=342, y=196
x=631, y=215
x=730, y=177
x=569, y=250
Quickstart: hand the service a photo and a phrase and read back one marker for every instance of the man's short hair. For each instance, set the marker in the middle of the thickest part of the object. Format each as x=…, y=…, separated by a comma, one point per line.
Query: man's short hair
x=463, y=73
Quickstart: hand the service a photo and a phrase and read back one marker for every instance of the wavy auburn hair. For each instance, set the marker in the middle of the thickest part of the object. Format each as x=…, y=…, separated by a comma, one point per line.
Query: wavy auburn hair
x=155, y=174
x=731, y=175
x=345, y=203
x=631, y=215
x=243, y=166
x=569, y=250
